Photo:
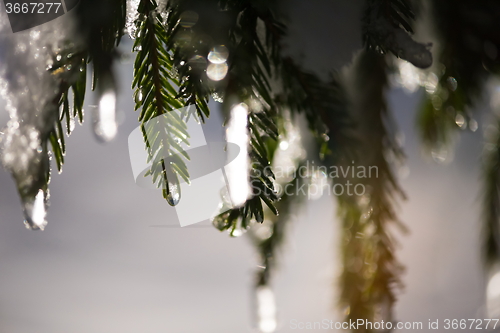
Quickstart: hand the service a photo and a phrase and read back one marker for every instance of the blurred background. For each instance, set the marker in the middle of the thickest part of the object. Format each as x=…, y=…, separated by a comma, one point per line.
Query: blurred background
x=114, y=259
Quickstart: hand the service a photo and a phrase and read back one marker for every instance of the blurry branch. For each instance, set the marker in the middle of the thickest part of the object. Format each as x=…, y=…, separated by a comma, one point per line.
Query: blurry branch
x=371, y=271
x=469, y=44
x=324, y=105
x=387, y=25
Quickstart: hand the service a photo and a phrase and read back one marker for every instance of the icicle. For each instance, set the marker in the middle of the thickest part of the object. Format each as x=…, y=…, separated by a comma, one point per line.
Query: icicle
x=493, y=294
x=174, y=194
x=132, y=15
x=266, y=309
x=35, y=210
x=30, y=85
x=104, y=116
x=238, y=170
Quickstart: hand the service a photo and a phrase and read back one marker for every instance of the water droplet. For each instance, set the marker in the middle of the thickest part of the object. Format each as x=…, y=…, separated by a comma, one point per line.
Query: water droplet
x=237, y=232
x=217, y=72
x=431, y=83
x=72, y=124
x=219, y=222
x=35, y=211
x=58, y=57
x=218, y=55
x=174, y=194
x=284, y=145
x=441, y=155
x=264, y=231
x=473, y=125
x=138, y=96
x=198, y=62
x=460, y=121
x=452, y=83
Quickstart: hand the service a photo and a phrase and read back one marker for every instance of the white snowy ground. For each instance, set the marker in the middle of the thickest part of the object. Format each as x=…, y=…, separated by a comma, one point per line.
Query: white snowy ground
x=101, y=267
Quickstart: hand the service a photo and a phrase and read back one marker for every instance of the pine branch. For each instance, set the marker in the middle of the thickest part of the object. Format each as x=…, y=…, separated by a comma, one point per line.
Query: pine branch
x=324, y=106
x=249, y=81
x=163, y=128
x=101, y=25
x=371, y=270
x=70, y=71
x=387, y=27
x=186, y=45
x=461, y=71
x=101, y=36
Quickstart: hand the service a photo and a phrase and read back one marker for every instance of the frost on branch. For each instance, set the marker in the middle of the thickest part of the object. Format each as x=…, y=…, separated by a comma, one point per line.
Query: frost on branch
x=31, y=89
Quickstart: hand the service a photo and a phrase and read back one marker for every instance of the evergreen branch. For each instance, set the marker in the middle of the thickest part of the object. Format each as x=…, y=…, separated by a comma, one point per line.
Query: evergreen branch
x=370, y=269
x=324, y=106
x=322, y=103
x=461, y=72
x=102, y=25
x=387, y=27
x=66, y=71
x=249, y=81
x=70, y=71
x=153, y=82
x=186, y=45
x=101, y=37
